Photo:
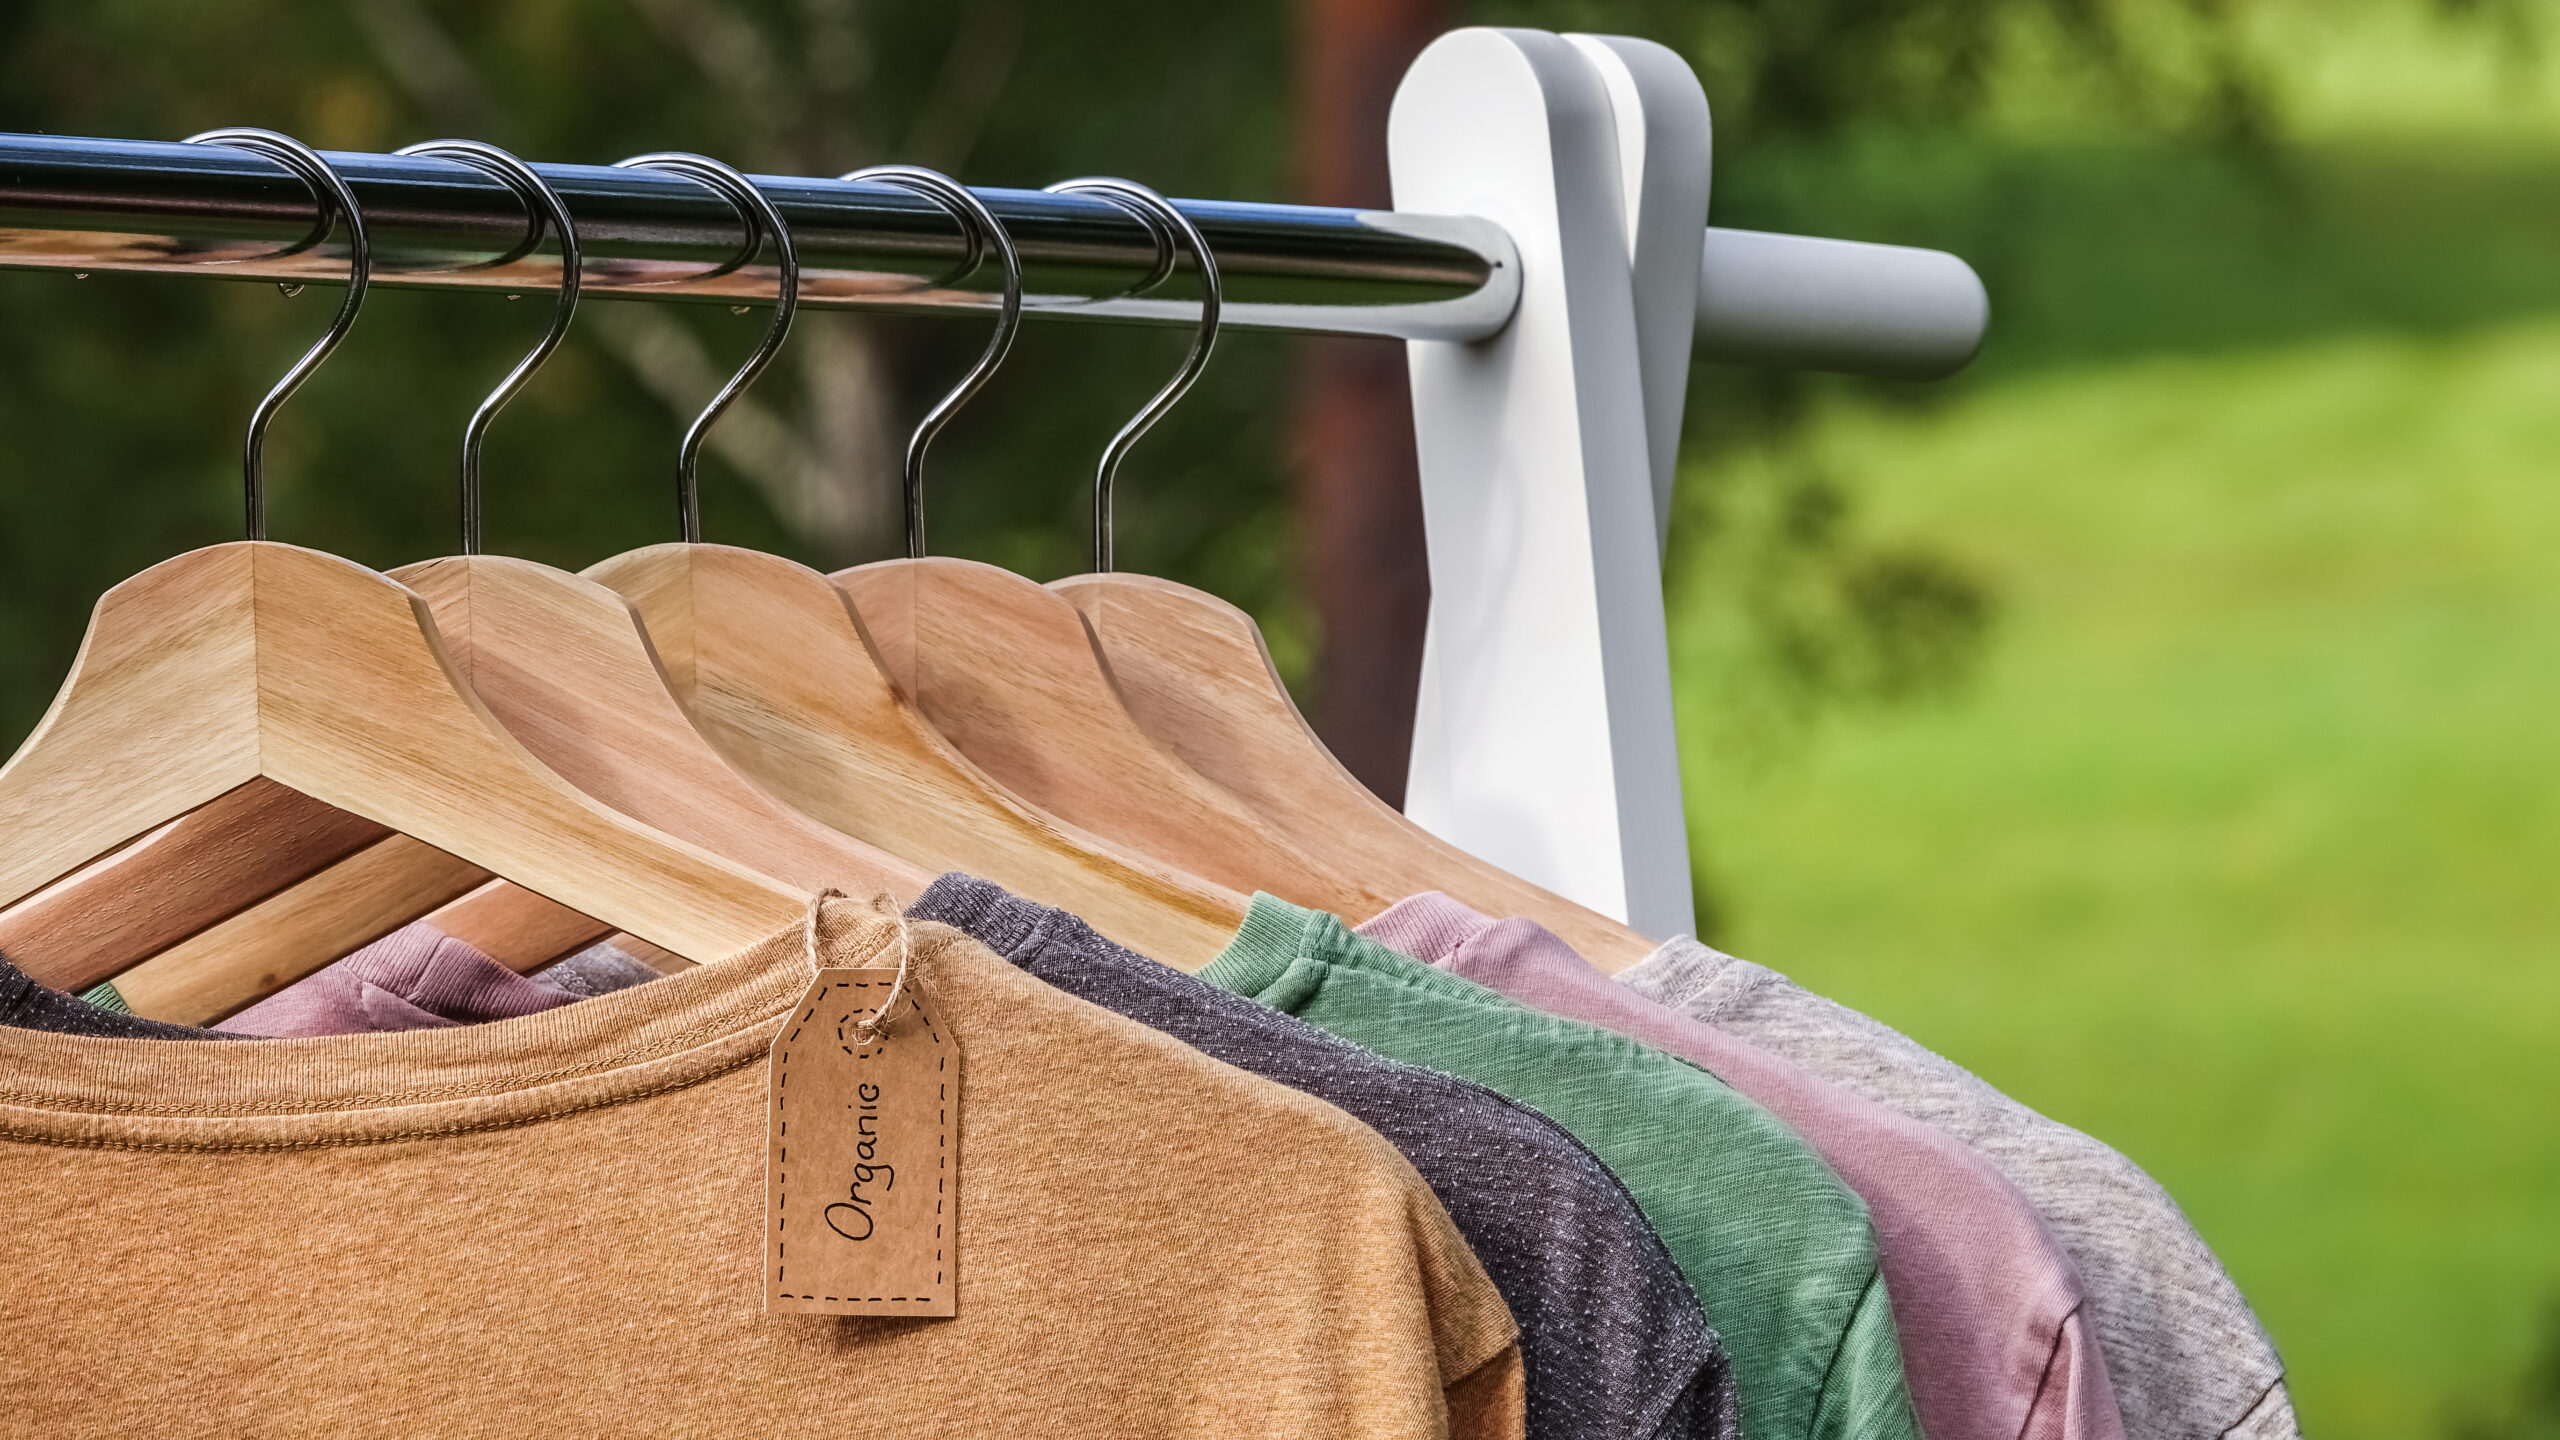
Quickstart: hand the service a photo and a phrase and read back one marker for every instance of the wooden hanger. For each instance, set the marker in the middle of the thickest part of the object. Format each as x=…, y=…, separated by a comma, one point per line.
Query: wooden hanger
x=1195, y=673
x=256, y=660
x=566, y=667
x=538, y=631
x=1006, y=672
x=563, y=664
x=773, y=665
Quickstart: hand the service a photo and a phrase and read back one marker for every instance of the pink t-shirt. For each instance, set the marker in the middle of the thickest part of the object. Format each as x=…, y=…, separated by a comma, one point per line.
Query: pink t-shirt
x=415, y=978
x=1994, y=1340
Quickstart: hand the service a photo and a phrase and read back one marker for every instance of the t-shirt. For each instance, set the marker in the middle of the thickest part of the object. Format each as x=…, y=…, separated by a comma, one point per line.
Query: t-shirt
x=1610, y=1333
x=26, y=1005
x=2187, y=1358
x=419, y=978
x=600, y=969
x=1778, y=1249
x=555, y=1225
x=1986, y=1303
x=387, y=986
x=415, y=978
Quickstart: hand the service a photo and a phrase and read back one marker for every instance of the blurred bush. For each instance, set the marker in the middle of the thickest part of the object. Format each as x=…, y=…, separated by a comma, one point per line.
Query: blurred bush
x=123, y=395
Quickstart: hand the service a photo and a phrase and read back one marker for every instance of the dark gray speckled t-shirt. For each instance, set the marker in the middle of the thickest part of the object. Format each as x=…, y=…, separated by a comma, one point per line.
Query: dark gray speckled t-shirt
x=1611, y=1336
x=27, y=1005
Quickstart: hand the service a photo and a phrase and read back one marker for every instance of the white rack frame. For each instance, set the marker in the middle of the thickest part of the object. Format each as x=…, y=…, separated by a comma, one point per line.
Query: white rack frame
x=1544, y=738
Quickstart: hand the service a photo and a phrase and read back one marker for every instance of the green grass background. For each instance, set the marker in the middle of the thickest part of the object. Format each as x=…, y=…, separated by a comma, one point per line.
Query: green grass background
x=2241, y=847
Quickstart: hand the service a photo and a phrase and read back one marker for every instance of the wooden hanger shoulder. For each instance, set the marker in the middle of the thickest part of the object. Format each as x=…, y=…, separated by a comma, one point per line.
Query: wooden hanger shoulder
x=1195, y=673
x=568, y=670
x=772, y=663
x=160, y=710
x=257, y=659
x=1007, y=672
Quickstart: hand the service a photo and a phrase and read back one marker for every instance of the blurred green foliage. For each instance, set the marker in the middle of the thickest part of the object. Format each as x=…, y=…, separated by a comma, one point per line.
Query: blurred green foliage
x=124, y=395
x=2236, y=852
x=2233, y=847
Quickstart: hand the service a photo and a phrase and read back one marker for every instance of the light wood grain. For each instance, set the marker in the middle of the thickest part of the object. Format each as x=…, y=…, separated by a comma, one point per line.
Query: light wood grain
x=221, y=858
x=565, y=667
x=269, y=946
x=1194, y=672
x=1007, y=672
x=517, y=928
x=568, y=669
x=774, y=667
x=258, y=659
x=167, y=659
x=664, y=961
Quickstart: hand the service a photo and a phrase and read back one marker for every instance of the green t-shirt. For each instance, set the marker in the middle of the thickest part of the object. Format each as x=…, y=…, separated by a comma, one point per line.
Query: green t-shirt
x=1777, y=1248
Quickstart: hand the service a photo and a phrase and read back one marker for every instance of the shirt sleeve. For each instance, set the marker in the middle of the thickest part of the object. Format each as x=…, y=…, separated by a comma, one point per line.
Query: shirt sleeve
x=1866, y=1396
x=1492, y=1403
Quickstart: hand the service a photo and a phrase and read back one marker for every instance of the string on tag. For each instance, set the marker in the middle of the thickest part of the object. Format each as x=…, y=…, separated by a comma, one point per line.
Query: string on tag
x=867, y=1029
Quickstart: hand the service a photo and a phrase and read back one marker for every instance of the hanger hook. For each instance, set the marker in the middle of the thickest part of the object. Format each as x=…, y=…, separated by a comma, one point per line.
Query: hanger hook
x=756, y=209
x=985, y=230
x=1155, y=211
x=542, y=205
x=328, y=189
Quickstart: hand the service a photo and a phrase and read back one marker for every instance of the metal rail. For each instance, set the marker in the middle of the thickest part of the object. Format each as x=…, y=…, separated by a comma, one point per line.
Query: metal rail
x=85, y=205
x=88, y=205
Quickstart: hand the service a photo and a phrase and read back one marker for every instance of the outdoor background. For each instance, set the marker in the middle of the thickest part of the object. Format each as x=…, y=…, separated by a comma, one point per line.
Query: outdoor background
x=2159, y=719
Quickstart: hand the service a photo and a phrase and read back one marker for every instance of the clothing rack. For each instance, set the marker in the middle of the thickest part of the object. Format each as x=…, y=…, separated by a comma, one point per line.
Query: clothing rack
x=1549, y=264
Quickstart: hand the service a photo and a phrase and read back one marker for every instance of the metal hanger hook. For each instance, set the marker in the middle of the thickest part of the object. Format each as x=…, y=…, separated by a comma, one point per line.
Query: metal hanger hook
x=1164, y=221
x=542, y=205
x=328, y=189
x=757, y=210
x=986, y=231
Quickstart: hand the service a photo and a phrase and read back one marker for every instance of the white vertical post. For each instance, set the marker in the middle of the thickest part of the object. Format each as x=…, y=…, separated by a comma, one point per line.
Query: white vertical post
x=1543, y=740
x=1665, y=161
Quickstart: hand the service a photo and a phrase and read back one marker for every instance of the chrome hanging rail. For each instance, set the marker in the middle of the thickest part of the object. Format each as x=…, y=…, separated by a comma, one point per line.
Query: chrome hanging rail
x=89, y=205
x=85, y=205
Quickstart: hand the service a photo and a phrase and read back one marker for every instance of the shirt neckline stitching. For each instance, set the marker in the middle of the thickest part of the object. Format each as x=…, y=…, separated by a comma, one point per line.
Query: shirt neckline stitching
x=13, y=1132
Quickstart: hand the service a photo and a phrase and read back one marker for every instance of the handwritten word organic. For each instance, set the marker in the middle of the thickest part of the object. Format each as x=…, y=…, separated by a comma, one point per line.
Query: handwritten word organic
x=852, y=1216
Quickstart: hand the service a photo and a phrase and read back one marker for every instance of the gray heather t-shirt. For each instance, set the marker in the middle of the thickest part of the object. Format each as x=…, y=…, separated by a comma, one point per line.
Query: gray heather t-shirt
x=2186, y=1355
x=1611, y=1336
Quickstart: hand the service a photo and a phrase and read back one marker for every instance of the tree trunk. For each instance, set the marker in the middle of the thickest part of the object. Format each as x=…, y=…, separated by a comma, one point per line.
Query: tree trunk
x=1359, y=489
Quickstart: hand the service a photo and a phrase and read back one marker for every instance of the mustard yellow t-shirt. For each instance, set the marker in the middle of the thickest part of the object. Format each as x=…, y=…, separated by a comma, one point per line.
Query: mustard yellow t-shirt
x=554, y=1225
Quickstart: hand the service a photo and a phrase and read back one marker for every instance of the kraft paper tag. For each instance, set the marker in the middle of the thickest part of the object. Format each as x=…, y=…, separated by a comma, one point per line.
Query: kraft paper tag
x=863, y=1164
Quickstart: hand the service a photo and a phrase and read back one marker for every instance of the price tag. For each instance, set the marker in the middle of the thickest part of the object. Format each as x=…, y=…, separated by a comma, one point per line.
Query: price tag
x=862, y=1182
